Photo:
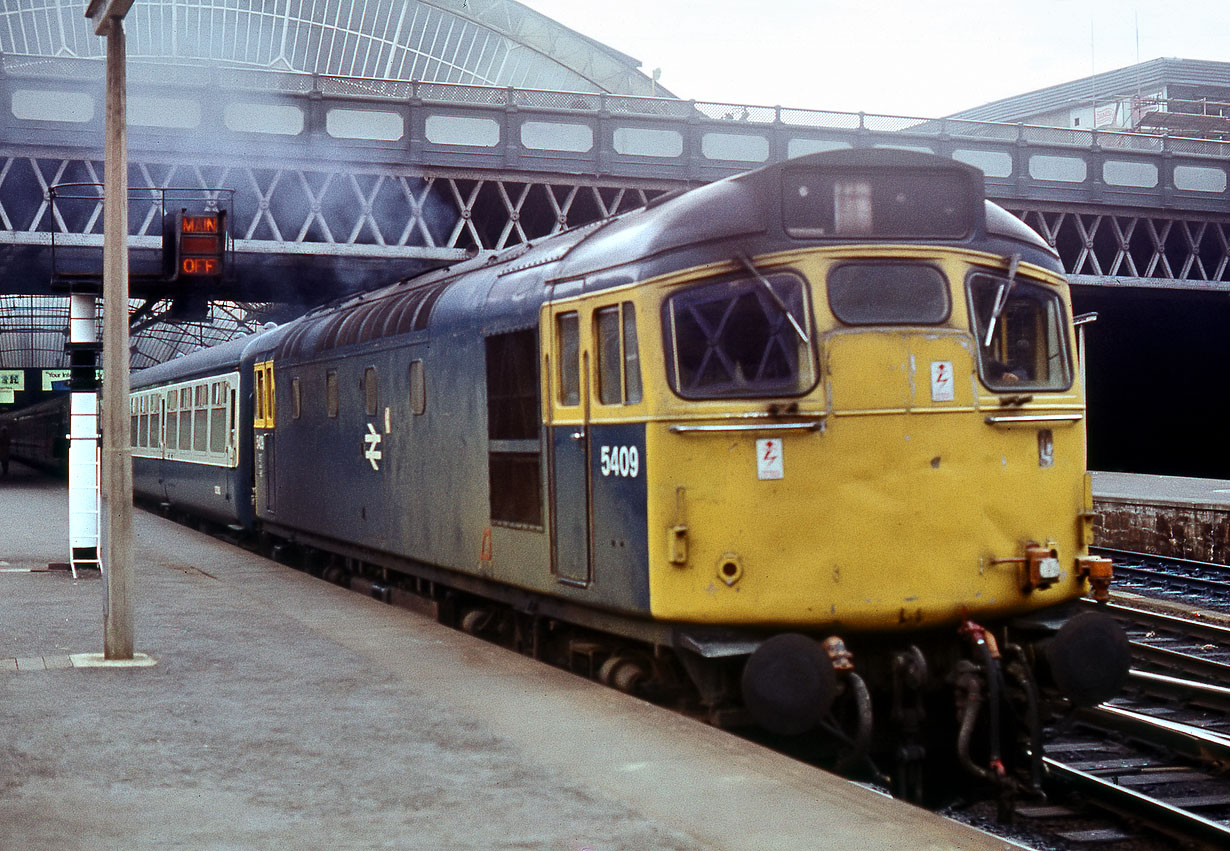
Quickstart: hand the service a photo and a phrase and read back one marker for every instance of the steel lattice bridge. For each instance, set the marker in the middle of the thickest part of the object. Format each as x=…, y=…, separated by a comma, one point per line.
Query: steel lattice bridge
x=344, y=183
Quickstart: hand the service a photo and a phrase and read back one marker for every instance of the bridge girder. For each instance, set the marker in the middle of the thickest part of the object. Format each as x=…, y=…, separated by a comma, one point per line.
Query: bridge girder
x=358, y=182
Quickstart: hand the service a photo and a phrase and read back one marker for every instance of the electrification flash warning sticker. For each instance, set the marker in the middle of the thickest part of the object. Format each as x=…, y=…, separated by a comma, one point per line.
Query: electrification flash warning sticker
x=770, y=462
x=942, y=385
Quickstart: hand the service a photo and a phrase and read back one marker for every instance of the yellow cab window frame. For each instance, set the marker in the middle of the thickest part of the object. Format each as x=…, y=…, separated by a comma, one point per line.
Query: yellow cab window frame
x=574, y=357
x=263, y=416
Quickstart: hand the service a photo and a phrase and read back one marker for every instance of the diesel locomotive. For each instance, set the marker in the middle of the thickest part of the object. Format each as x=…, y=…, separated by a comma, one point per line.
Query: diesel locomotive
x=803, y=447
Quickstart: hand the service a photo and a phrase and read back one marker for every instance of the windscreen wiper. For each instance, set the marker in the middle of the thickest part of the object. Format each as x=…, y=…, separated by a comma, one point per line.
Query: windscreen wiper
x=794, y=323
x=1001, y=297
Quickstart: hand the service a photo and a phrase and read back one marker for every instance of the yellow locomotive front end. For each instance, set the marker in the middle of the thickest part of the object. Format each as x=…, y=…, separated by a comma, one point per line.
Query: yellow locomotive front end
x=853, y=457
x=887, y=438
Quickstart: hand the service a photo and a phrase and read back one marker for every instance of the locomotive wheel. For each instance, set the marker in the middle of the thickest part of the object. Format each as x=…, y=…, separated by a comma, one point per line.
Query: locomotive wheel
x=477, y=622
x=789, y=684
x=621, y=672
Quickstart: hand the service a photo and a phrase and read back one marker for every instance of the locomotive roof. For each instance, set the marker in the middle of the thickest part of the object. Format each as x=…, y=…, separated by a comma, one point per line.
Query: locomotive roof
x=744, y=214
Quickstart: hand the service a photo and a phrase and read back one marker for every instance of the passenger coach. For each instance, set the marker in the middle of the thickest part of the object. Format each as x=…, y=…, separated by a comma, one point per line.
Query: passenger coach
x=191, y=434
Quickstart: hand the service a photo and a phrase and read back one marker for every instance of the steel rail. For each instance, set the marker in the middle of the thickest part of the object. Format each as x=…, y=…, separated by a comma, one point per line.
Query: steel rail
x=1185, y=626
x=1168, y=686
x=1183, y=739
x=1136, y=807
x=1218, y=672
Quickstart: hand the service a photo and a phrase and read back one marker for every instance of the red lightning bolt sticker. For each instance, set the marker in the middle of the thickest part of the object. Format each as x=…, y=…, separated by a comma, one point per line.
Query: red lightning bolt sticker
x=942, y=384
x=770, y=460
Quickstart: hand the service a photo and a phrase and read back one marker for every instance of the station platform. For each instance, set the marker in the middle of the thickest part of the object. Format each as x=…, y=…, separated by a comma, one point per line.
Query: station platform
x=1163, y=515
x=285, y=712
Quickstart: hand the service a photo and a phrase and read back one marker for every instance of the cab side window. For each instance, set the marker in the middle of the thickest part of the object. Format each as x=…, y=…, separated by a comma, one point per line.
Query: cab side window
x=619, y=362
x=568, y=342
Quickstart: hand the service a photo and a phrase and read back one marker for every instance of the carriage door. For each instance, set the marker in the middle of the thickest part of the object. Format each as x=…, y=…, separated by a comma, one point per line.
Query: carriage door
x=569, y=436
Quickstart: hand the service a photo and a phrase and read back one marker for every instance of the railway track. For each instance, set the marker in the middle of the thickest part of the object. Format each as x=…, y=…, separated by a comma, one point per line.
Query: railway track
x=1152, y=776
x=1152, y=766
x=1184, y=580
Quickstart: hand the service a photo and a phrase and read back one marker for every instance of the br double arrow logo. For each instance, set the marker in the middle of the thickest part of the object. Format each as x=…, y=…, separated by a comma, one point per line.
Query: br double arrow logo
x=371, y=446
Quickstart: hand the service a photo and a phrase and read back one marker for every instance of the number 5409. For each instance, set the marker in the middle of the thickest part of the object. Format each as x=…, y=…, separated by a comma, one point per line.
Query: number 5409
x=622, y=461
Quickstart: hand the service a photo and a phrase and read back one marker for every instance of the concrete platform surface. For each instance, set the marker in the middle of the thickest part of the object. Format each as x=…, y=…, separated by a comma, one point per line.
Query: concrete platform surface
x=284, y=712
x=1175, y=490
x=1168, y=516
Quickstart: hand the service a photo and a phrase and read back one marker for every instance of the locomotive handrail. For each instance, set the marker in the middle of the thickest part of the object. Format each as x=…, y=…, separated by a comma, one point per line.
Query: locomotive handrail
x=812, y=425
x=1034, y=418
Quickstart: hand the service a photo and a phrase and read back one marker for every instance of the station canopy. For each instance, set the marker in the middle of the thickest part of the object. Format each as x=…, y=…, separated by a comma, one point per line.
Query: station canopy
x=468, y=42
x=474, y=42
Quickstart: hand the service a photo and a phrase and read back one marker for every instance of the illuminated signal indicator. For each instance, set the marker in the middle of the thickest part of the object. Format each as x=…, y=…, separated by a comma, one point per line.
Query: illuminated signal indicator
x=200, y=244
x=200, y=224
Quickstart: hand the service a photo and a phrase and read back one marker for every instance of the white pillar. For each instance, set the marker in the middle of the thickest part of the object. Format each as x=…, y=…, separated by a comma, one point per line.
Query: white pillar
x=83, y=525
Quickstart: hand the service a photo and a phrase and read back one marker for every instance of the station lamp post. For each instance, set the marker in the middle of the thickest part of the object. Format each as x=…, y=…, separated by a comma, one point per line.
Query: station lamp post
x=108, y=19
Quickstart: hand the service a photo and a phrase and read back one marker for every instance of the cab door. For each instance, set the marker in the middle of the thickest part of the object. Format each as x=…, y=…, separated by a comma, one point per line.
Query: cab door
x=570, y=486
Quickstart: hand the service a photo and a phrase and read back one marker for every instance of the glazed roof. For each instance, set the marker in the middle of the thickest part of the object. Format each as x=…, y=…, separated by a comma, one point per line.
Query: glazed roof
x=477, y=42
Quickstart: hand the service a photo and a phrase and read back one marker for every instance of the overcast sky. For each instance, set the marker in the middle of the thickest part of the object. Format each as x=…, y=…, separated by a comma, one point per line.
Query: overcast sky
x=924, y=58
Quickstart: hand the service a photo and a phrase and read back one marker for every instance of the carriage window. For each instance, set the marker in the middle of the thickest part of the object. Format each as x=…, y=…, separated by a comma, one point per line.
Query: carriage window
x=331, y=405
x=217, y=420
x=418, y=388
x=185, y=418
x=736, y=339
x=568, y=342
x=143, y=425
x=172, y=421
x=888, y=294
x=371, y=391
x=1027, y=349
x=200, y=420
x=155, y=422
x=619, y=368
